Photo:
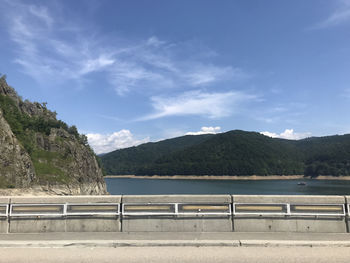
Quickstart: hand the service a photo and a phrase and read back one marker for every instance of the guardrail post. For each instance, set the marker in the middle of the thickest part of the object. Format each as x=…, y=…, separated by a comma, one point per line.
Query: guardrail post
x=288, y=210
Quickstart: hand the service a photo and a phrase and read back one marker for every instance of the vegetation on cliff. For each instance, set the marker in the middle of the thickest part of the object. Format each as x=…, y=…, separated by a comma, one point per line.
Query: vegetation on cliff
x=58, y=153
x=234, y=153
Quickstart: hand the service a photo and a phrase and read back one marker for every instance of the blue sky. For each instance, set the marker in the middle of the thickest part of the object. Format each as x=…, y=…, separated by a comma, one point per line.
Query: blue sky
x=128, y=72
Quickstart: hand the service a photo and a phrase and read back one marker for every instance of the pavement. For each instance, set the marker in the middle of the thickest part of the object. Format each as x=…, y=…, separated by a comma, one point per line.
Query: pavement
x=160, y=247
x=173, y=239
x=176, y=255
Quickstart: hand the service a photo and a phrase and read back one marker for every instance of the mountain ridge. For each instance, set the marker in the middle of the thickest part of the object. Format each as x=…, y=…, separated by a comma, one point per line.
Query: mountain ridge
x=239, y=152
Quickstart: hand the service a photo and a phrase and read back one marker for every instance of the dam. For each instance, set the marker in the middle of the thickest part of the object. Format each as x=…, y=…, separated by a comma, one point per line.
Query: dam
x=175, y=213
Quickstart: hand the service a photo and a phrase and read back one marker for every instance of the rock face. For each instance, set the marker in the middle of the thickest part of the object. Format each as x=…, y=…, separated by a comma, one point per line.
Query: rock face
x=39, y=153
x=16, y=167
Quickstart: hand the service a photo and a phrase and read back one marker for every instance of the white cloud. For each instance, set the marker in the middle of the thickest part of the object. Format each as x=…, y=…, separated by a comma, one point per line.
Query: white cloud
x=154, y=41
x=103, y=143
x=288, y=134
x=97, y=64
x=211, y=105
x=339, y=16
x=41, y=13
x=206, y=74
x=206, y=130
x=51, y=49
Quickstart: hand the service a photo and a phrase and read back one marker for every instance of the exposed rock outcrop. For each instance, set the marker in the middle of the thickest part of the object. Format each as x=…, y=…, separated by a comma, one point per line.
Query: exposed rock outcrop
x=39, y=153
x=16, y=167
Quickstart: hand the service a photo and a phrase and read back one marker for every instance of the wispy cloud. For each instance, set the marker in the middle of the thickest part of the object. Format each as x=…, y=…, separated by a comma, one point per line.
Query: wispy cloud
x=49, y=49
x=339, y=16
x=103, y=143
x=288, y=134
x=206, y=130
x=210, y=105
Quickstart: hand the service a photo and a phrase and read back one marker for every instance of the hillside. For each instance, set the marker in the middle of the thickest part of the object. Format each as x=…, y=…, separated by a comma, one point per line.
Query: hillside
x=131, y=160
x=38, y=151
x=235, y=153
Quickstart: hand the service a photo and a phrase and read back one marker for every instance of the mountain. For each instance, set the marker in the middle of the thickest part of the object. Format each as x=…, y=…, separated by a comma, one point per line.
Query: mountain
x=39, y=152
x=234, y=153
x=133, y=159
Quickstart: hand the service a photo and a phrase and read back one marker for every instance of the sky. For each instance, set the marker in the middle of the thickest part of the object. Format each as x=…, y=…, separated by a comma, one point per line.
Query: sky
x=130, y=72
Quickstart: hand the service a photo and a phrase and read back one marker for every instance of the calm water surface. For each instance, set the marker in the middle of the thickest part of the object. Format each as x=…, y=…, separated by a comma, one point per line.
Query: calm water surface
x=130, y=186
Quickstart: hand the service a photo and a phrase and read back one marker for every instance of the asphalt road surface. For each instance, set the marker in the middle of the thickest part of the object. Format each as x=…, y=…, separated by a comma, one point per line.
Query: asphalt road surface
x=176, y=254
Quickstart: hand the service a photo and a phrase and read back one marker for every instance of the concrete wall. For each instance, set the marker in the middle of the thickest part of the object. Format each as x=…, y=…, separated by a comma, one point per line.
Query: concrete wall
x=265, y=223
x=177, y=223
x=180, y=223
x=93, y=223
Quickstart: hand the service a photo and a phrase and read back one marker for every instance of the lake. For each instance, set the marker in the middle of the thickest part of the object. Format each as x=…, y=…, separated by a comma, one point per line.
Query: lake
x=130, y=186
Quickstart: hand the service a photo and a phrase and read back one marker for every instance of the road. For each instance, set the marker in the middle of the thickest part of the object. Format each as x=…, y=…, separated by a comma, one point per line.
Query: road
x=176, y=254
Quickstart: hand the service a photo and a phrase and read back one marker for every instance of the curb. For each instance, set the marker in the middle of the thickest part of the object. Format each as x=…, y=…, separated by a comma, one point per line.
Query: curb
x=169, y=243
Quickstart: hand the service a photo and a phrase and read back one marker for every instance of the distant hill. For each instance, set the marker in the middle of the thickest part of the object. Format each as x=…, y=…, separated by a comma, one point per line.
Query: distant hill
x=234, y=153
x=134, y=159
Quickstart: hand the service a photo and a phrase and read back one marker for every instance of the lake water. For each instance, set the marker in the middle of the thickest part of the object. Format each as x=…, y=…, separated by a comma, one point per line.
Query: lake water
x=129, y=186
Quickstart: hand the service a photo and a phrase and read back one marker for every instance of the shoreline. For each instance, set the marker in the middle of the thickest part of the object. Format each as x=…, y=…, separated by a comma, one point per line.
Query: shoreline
x=228, y=177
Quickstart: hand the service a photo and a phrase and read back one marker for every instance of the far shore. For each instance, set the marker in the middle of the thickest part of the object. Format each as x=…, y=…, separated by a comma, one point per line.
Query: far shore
x=228, y=177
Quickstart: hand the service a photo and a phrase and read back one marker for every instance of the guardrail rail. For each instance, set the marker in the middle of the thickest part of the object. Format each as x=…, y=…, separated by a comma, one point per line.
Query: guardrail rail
x=174, y=209
x=288, y=209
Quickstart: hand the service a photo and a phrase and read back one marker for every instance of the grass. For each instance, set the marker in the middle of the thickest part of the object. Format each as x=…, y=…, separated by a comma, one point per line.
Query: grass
x=47, y=165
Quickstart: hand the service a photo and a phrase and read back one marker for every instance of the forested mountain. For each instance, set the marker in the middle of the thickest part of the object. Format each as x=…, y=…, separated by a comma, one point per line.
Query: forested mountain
x=234, y=153
x=131, y=160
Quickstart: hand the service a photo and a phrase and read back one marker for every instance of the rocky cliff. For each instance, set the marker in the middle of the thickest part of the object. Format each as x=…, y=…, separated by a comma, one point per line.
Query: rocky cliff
x=39, y=153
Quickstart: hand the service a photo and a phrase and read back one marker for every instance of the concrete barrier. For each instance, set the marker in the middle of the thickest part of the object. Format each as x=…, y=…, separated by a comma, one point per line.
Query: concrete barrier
x=22, y=223
x=302, y=214
x=102, y=221
x=176, y=213
x=48, y=214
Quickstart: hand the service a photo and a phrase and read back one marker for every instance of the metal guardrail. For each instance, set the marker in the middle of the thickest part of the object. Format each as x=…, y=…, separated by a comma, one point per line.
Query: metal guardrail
x=92, y=209
x=172, y=209
x=4, y=210
x=260, y=209
x=318, y=209
x=25, y=210
x=62, y=210
x=164, y=209
x=287, y=209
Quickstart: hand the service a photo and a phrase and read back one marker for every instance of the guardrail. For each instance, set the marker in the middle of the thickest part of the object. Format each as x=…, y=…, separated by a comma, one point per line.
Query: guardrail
x=173, y=209
x=166, y=209
x=62, y=210
x=175, y=213
x=286, y=209
x=4, y=210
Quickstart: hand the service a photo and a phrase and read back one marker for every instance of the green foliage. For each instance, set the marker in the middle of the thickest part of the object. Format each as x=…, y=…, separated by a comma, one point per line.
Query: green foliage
x=100, y=165
x=47, y=165
x=49, y=173
x=25, y=127
x=234, y=153
x=22, y=124
x=130, y=160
